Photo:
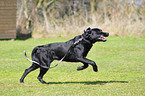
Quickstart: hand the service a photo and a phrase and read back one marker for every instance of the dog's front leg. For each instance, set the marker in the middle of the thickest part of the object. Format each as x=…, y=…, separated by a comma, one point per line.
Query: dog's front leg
x=87, y=61
x=83, y=67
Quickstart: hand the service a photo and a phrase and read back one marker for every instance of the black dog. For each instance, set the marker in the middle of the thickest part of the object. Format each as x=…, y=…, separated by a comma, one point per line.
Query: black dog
x=74, y=50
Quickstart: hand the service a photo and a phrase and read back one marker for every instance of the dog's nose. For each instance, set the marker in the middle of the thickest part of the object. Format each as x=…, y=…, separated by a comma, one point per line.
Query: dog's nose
x=107, y=34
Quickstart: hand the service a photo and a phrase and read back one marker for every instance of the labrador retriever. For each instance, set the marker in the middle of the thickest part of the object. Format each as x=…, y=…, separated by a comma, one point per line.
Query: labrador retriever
x=74, y=50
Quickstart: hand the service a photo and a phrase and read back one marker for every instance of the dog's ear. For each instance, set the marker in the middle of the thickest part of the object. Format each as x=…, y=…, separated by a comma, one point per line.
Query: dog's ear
x=88, y=31
x=89, y=28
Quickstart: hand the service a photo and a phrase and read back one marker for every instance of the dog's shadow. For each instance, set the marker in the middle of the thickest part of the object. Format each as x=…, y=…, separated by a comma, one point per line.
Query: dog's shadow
x=88, y=82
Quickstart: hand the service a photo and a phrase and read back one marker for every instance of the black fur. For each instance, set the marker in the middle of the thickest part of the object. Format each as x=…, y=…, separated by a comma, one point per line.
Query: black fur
x=45, y=54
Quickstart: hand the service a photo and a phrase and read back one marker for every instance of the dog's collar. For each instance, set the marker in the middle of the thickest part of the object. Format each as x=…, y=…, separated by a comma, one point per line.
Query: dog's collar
x=83, y=38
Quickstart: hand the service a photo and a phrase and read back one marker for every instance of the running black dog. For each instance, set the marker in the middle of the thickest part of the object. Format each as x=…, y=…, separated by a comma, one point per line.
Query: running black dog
x=74, y=50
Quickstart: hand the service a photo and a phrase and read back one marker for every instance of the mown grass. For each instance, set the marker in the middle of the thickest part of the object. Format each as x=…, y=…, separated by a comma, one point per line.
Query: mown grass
x=121, y=63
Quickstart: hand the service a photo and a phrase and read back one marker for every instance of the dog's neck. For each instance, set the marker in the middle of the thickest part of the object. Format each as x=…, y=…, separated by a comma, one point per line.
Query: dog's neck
x=87, y=41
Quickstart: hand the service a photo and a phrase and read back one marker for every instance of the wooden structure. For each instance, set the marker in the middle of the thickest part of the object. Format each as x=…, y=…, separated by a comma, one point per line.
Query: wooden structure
x=8, y=10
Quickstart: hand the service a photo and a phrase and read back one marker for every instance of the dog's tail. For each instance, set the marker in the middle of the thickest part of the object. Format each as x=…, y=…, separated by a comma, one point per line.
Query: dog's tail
x=28, y=58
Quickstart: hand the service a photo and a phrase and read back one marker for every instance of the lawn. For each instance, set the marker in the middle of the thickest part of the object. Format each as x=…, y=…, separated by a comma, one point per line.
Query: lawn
x=121, y=63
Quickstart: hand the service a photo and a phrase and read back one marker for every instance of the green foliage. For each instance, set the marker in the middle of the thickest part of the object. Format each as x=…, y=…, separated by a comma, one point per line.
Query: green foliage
x=121, y=70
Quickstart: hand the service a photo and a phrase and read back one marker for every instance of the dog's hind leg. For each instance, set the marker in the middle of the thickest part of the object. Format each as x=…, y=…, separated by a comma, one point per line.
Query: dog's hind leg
x=82, y=67
x=41, y=74
x=27, y=71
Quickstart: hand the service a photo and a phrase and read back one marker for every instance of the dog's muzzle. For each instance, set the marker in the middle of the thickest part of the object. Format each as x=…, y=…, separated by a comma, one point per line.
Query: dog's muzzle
x=106, y=34
x=102, y=37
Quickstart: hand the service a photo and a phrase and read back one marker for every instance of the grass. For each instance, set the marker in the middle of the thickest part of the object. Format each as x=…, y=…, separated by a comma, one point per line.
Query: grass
x=121, y=63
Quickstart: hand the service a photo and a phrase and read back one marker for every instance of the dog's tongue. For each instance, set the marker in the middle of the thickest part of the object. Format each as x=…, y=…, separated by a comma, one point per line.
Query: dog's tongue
x=101, y=36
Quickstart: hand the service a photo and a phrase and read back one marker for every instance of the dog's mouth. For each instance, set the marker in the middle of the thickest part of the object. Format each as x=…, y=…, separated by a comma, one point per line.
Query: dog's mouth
x=102, y=38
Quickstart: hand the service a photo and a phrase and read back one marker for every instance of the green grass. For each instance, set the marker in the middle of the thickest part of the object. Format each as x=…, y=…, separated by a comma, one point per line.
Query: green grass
x=121, y=63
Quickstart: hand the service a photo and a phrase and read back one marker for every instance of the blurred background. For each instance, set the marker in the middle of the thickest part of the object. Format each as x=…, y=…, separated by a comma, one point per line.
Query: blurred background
x=63, y=18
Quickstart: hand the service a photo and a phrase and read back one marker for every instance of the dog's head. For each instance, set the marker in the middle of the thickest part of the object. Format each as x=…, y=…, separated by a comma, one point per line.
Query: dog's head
x=95, y=34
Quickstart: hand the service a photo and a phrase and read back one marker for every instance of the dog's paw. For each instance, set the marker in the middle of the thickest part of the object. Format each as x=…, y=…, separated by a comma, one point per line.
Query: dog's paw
x=80, y=68
x=42, y=81
x=21, y=81
x=96, y=70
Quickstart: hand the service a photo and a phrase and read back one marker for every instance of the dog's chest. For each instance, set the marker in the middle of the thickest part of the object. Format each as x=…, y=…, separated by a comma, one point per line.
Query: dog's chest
x=86, y=50
x=82, y=50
